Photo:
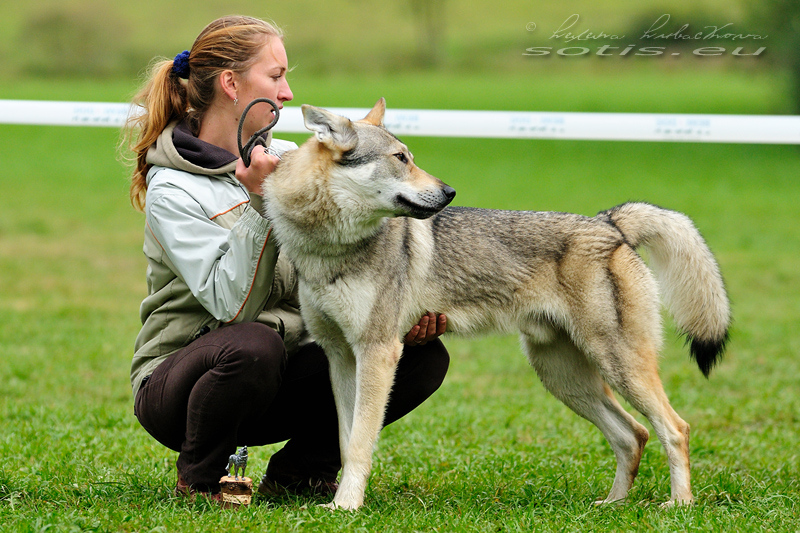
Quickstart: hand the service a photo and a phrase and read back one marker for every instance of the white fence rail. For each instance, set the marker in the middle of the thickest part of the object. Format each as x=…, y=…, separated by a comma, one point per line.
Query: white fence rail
x=751, y=129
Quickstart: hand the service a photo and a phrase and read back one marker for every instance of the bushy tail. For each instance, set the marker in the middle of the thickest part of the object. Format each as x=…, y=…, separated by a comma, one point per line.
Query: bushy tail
x=687, y=273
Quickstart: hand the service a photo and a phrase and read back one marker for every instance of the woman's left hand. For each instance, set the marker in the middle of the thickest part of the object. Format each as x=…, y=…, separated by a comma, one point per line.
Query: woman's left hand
x=430, y=326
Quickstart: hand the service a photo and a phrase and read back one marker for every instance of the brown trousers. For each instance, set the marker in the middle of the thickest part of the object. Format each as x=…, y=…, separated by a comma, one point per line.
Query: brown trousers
x=236, y=386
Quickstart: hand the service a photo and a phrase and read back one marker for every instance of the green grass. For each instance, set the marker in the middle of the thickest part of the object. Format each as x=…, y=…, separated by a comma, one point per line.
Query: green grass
x=491, y=451
x=639, y=88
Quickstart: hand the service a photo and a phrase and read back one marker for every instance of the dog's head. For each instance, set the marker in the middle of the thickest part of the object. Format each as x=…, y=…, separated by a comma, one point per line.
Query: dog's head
x=371, y=169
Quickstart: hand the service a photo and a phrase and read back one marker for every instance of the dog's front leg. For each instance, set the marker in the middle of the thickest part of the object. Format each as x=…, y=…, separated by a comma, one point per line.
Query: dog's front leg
x=341, y=362
x=342, y=366
x=375, y=369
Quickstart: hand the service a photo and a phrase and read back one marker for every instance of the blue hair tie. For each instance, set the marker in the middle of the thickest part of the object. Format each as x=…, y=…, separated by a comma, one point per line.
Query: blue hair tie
x=180, y=65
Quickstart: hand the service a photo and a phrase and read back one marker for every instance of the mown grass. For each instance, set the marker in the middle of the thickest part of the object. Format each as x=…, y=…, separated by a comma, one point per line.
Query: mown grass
x=491, y=451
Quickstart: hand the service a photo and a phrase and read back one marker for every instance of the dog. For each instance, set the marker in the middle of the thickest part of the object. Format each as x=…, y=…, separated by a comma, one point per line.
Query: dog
x=375, y=247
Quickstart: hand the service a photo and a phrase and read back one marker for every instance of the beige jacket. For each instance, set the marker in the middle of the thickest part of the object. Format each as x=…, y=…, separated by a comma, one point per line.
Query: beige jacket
x=211, y=258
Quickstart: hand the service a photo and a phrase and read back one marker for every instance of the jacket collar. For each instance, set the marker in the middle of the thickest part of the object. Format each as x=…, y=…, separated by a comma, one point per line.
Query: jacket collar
x=178, y=148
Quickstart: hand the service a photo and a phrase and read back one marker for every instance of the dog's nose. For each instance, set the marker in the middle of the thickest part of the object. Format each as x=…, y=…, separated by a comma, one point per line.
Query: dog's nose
x=449, y=192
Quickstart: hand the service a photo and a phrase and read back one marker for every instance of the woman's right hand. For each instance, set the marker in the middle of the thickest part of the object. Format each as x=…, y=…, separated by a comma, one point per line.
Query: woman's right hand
x=261, y=165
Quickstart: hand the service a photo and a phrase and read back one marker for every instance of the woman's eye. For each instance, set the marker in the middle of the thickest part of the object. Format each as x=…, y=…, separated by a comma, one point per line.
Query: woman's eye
x=402, y=157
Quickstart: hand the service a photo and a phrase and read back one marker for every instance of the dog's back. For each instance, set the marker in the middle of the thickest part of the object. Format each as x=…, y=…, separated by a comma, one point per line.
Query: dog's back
x=494, y=270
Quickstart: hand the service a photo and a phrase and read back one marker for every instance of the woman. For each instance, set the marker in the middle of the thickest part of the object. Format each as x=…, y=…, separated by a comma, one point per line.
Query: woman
x=223, y=359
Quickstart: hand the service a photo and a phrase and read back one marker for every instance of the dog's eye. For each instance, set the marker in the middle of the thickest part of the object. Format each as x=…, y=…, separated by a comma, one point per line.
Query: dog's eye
x=402, y=157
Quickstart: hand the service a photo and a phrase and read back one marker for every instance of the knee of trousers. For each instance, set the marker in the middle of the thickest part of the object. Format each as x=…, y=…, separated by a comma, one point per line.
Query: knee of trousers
x=257, y=357
x=428, y=365
x=438, y=363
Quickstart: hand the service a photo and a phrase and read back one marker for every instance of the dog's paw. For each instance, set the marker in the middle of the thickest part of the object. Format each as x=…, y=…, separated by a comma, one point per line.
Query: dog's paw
x=618, y=501
x=333, y=506
x=677, y=503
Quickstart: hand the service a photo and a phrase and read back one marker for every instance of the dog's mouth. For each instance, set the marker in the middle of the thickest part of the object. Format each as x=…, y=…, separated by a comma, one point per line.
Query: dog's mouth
x=416, y=210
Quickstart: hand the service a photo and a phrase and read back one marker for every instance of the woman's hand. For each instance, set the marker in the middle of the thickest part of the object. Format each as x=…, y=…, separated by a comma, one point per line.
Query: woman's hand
x=261, y=165
x=430, y=326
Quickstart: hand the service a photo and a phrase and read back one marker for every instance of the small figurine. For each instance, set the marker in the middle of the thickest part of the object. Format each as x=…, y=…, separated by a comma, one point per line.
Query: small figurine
x=236, y=491
x=236, y=461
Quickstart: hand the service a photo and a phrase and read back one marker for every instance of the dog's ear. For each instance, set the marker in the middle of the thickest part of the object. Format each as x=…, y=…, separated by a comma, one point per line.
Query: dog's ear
x=334, y=131
x=375, y=116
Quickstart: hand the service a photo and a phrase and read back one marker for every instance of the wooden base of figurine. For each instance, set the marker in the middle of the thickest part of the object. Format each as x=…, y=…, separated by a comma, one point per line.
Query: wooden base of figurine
x=236, y=491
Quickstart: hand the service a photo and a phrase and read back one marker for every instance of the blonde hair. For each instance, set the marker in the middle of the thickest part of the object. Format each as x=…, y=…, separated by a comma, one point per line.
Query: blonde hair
x=228, y=43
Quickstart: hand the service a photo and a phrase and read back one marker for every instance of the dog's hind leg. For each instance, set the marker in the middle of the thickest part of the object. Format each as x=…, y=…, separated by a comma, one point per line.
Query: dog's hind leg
x=635, y=377
x=375, y=370
x=626, y=355
x=569, y=376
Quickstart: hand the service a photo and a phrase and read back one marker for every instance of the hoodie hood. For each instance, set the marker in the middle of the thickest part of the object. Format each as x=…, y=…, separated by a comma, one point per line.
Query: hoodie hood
x=178, y=148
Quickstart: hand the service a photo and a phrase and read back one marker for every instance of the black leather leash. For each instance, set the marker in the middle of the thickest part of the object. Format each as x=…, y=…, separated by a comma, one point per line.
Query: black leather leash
x=256, y=139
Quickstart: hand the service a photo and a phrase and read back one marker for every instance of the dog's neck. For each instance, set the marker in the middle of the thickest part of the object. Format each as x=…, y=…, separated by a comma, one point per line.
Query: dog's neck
x=309, y=224
x=316, y=249
x=311, y=236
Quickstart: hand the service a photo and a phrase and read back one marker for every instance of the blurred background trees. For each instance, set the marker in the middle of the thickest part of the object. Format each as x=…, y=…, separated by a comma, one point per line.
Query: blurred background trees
x=94, y=39
x=430, y=19
x=782, y=17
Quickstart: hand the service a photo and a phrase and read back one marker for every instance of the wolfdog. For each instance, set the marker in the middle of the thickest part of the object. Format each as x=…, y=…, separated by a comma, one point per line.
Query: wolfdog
x=375, y=249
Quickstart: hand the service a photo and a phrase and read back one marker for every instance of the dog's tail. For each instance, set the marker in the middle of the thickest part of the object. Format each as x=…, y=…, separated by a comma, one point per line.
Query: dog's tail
x=687, y=273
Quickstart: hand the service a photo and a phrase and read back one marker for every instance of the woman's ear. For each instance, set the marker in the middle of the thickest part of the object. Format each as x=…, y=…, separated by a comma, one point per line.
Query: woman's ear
x=229, y=83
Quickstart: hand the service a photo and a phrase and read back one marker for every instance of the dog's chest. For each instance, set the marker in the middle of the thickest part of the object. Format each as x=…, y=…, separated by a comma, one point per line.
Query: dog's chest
x=347, y=301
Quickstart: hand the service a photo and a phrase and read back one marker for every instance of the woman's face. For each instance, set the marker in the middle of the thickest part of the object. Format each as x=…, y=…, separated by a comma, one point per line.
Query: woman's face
x=265, y=79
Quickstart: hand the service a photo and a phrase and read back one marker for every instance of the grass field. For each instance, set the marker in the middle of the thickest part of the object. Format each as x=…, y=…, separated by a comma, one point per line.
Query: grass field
x=491, y=451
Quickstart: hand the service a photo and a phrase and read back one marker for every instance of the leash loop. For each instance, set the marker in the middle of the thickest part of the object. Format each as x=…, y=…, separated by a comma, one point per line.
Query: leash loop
x=256, y=139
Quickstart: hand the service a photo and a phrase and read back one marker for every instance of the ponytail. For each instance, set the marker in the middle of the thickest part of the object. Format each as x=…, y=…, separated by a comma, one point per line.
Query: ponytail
x=162, y=100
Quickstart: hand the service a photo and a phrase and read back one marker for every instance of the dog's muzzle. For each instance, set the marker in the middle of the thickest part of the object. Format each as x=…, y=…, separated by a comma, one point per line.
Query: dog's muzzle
x=425, y=205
